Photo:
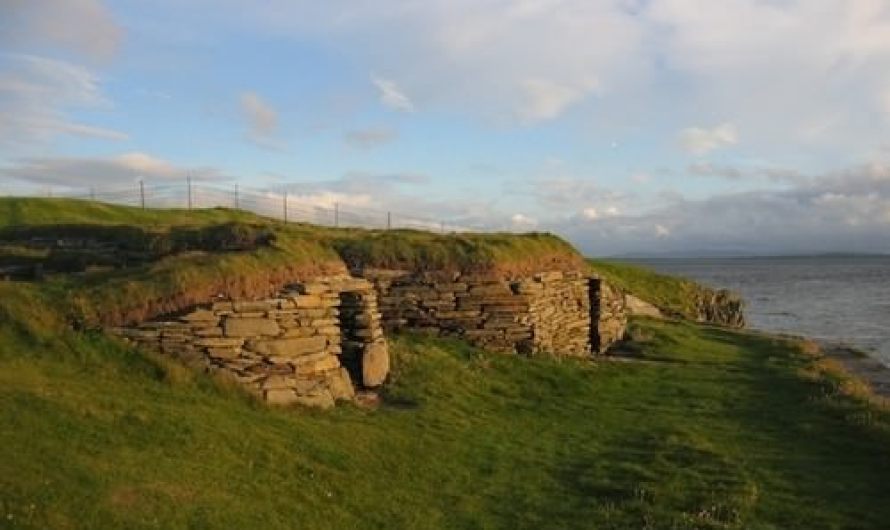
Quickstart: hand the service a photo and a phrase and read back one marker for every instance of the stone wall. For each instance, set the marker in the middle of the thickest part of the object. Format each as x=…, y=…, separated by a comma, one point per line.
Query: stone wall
x=547, y=312
x=313, y=341
x=286, y=349
x=608, y=315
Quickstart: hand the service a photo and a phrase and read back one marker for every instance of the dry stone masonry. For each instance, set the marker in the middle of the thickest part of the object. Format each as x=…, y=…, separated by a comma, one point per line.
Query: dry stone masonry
x=286, y=349
x=547, y=312
x=316, y=342
x=608, y=315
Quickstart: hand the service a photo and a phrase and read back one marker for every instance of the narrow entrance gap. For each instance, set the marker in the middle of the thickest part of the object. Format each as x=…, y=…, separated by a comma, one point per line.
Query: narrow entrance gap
x=351, y=309
x=594, y=285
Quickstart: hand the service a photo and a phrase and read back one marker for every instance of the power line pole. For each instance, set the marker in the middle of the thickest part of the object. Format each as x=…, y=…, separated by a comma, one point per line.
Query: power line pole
x=188, y=182
x=285, y=206
x=388, y=220
x=336, y=214
x=142, y=193
x=237, y=198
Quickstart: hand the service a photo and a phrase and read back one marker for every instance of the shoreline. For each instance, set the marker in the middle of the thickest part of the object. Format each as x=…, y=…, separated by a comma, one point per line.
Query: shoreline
x=860, y=364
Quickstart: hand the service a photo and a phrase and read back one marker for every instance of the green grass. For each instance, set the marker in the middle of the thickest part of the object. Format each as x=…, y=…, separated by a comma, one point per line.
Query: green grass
x=33, y=211
x=671, y=294
x=711, y=429
x=179, y=279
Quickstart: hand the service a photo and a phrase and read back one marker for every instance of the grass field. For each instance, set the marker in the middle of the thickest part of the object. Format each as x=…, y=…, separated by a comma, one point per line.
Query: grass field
x=297, y=251
x=709, y=429
x=704, y=428
x=671, y=294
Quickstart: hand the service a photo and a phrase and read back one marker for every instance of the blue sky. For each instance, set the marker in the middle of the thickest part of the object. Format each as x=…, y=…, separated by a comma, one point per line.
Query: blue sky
x=625, y=125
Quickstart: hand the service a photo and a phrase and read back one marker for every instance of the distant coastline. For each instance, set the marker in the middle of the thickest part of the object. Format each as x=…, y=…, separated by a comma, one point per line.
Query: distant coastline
x=834, y=298
x=739, y=255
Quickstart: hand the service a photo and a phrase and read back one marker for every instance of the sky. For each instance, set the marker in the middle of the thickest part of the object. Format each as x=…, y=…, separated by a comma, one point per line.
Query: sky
x=626, y=126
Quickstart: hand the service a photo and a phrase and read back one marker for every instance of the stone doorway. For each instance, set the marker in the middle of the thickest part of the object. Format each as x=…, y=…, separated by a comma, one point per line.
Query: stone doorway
x=364, y=351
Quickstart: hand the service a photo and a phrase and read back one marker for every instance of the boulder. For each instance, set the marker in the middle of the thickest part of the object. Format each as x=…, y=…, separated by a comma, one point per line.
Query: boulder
x=321, y=399
x=280, y=396
x=340, y=385
x=375, y=364
x=639, y=307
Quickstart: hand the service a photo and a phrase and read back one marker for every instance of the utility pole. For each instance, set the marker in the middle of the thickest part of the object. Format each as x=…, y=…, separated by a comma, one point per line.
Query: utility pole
x=93, y=194
x=237, y=198
x=388, y=220
x=142, y=193
x=188, y=182
x=336, y=214
x=285, y=206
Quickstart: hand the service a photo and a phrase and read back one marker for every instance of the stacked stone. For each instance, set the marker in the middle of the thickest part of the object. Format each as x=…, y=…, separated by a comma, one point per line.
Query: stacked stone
x=364, y=349
x=608, y=315
x=285, y=349
x=548, y=312
x=560, y=312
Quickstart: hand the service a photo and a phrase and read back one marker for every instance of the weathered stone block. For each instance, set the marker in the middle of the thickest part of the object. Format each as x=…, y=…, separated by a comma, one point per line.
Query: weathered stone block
x=280, y=396
x=322, y=400
x=250, y=327
x=260, y=306
x=220, y=342
x=328, y=362
x=375, y=364
x=288, y=347
x=208, y=332
x=340, y=385
x=223, y=352
x=201, y=315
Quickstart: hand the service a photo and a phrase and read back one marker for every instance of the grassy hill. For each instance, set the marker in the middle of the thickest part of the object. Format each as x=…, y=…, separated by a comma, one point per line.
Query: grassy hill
x=673, y=295
x=709, y=429
x=185, y=269
x=702, y=428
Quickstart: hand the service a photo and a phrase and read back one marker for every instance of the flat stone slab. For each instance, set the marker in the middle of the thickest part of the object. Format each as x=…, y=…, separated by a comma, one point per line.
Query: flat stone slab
x=250, y=327
x=289, y=347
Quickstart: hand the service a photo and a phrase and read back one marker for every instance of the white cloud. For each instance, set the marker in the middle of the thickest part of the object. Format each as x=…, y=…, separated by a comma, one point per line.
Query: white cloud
x=885, y=102
x=370, y=138
x=262, y=119
x=594, y=214
x=391, y=95
x=845, y=210
x=746, y=172
x=699, y=141
x=84, y=26
x=523, y=222
x=36, y=95
x=101, y=172
x=545, y=99
x=591, y=214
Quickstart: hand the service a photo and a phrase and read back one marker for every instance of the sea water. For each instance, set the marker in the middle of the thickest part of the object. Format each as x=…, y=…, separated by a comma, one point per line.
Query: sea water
x=839, y=299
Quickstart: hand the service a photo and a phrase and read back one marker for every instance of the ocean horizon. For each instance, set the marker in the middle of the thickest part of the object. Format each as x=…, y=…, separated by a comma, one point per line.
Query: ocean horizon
x=839, y=298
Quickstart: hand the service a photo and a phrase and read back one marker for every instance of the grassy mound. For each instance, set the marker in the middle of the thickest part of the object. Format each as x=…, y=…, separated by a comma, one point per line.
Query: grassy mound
x=709, y=429
x=189, y=257
x=673, y=295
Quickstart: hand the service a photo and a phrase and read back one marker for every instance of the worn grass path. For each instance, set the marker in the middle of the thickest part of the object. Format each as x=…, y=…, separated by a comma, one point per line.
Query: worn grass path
x=723, y=430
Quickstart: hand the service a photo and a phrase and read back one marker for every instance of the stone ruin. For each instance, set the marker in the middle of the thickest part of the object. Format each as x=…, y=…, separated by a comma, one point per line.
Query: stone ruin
x=317, y=342
x=547, y=312
x=309, y=345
